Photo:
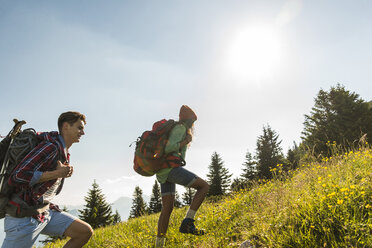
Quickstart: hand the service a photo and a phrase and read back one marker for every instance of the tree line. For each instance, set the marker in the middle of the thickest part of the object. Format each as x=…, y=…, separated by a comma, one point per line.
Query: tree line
x=139, y=206
x=339, y=117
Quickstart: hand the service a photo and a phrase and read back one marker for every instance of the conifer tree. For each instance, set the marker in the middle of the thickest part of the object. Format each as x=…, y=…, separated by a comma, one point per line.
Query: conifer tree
x=138, y=204
x=188, y=195
x=116, y=217
x=293, y=156
x=177, y=201
x=155, y=200
x=268, y=152
x=338, y=116
x=249, y=168
x=238, y=184
x=219, y=178
x=97, y=211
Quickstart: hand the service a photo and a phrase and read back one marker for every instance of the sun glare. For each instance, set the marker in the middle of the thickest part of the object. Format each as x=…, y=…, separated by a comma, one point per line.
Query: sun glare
x=254, y=53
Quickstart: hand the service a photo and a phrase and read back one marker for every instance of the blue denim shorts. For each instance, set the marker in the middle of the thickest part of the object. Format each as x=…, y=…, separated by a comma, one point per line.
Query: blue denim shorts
x=23, y=232
x=179, y=176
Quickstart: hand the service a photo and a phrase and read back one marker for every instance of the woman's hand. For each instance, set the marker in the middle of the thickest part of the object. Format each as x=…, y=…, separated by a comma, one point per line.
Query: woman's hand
x=187, y=140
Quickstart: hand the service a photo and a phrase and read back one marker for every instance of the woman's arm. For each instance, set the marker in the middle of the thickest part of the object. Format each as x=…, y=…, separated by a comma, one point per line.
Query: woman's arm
x=177, y=139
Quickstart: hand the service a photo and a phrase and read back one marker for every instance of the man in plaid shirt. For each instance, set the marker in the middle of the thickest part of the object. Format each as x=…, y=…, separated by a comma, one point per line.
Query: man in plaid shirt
x=37, y=179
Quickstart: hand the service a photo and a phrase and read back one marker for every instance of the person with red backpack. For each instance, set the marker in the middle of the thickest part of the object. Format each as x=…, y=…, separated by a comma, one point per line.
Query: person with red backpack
x=179, y=138
x=36, y=180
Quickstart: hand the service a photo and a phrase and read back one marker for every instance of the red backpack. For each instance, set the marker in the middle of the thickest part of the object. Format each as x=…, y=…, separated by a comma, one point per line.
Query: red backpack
x=149, y=156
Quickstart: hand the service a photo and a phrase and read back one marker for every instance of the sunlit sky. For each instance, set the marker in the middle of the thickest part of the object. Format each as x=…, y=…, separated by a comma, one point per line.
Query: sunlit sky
x=126, y=64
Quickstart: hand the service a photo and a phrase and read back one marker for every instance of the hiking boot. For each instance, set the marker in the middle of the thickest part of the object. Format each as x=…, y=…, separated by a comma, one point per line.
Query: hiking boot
x=188, y=226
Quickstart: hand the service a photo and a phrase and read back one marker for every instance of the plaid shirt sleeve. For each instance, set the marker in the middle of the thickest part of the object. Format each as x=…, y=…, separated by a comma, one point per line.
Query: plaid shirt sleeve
x=38, y=160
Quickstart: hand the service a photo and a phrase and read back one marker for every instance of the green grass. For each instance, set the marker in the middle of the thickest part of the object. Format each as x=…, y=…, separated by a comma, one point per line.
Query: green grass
x=325, y=204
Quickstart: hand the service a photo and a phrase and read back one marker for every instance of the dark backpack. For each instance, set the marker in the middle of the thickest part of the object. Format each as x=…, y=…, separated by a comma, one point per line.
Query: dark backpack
x=13, y=148
x=149, y=156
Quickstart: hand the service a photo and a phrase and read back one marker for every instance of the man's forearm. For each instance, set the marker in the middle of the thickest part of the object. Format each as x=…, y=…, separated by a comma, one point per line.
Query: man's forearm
x=62, y=171
x=49, y=175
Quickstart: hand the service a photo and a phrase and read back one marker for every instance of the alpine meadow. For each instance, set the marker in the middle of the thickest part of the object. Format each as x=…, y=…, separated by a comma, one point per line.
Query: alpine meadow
x=312, y=198
x=320, y=204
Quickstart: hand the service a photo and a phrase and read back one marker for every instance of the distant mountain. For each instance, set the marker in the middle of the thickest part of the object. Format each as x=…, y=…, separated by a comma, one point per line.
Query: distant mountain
x=123, y=205
x=73, y=209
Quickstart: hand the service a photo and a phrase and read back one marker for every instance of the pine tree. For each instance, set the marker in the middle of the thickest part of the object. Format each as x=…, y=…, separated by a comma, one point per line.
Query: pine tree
x=138, y=204
x=249, y=169
x=155, y=200
x=268, y=152
x=293, y=156
x=177, y=201
x=116, y=218
x=338, y=116
x=238, y=184
x=219, y=177
x=97, y=211
x=188, y=195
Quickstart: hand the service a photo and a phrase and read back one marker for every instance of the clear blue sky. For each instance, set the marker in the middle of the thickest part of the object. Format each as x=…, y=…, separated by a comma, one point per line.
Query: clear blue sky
x=125, y=64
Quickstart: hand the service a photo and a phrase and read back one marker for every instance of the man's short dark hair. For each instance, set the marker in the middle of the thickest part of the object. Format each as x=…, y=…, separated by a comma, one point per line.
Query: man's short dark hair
x=70, y=117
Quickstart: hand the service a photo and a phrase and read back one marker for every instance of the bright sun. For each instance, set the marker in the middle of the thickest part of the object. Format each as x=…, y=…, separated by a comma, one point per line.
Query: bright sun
x=254, y=53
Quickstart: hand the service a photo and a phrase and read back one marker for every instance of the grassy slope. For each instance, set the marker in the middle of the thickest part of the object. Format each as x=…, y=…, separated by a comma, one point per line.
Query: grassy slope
x=324, y=204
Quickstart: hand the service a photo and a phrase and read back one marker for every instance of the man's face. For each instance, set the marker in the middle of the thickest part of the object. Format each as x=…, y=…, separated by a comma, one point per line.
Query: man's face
x=74, y=131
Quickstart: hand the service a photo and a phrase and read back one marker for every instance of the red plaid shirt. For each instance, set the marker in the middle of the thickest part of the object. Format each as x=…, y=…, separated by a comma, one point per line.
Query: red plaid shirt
x=42, y=158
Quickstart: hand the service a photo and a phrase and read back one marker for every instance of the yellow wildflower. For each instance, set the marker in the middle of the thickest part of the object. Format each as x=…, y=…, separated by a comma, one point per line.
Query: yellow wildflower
x=331, y=194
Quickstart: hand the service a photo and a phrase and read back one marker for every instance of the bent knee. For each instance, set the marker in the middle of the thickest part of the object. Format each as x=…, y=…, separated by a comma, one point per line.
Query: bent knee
x=206, y=186
x=88, y=232
x=80, y=230
x=85, y=232
x=200, y=184
x=167, y=209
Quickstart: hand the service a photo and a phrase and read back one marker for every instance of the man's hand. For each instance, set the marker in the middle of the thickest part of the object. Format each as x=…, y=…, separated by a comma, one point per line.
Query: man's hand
x=61, y=171
x=64, y=170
